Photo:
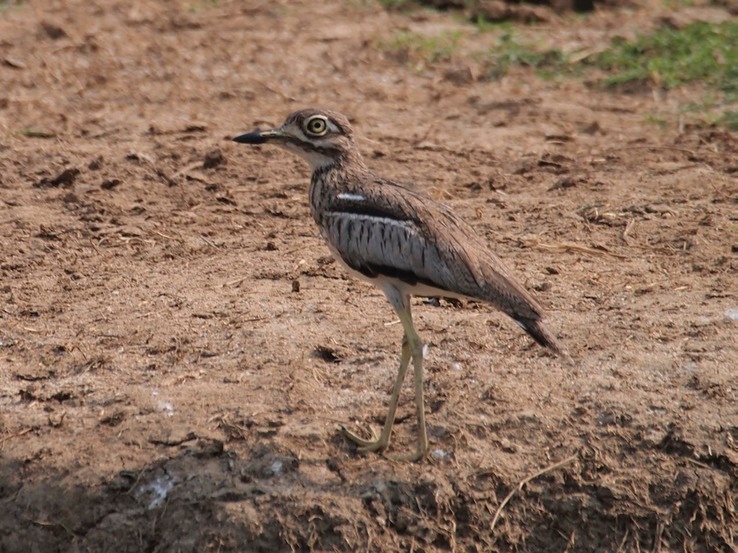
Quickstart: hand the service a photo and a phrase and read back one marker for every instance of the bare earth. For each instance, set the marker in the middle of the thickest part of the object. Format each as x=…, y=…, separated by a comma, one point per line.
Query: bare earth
x=178, y=353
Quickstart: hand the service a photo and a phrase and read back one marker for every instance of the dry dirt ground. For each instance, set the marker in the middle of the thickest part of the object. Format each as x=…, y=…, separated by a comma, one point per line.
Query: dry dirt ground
x=178, y=353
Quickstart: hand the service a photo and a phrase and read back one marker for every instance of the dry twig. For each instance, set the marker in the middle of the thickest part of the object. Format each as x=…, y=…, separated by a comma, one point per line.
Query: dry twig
x=626, y=231
x=523, y=482
x=16, y=435
x=652, y=147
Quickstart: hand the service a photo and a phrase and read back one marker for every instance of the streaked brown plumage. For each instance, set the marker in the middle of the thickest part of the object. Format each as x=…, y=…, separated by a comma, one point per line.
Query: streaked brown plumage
x=403, y=242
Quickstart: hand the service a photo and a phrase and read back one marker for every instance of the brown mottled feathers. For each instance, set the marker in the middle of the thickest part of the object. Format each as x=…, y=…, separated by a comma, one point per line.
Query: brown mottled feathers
x=380, y=228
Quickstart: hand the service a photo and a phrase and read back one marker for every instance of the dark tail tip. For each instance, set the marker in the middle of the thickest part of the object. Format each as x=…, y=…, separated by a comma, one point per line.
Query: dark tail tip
x=538, y=331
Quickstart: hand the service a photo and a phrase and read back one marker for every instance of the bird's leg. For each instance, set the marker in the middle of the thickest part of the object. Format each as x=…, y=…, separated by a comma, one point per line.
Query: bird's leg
x=416, y=352
x=412, y=348
x=384, y=439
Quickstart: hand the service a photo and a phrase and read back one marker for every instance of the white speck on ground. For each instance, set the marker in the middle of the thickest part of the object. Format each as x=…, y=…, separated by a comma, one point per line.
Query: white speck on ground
x=167, y=407
x=440, y=455
x=157, y=490
x=276, y=467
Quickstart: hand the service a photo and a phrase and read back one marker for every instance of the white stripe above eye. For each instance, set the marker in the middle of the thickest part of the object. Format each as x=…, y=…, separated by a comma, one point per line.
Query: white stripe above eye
x=351, y=197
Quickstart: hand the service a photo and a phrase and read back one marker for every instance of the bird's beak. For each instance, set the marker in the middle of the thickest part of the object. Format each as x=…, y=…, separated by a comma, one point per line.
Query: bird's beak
x=260, y=137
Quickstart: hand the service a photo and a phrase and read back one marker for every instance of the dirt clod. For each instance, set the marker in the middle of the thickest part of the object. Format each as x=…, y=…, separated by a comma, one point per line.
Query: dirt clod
x=213, y=158
x=65, y=179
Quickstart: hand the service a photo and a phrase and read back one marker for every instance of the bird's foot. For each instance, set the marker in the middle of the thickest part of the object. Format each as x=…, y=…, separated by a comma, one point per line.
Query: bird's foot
x=410, y=457
x=420, y=452
x=380, y=443
x=375, y=444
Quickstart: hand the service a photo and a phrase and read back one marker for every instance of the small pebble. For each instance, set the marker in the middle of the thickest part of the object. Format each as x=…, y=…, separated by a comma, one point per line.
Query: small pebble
x=440, y=455
x=213, y=158
x=276, y=467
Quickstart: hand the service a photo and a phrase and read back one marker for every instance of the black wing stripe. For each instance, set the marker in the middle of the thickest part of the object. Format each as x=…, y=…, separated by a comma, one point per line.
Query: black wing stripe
x=372, y=270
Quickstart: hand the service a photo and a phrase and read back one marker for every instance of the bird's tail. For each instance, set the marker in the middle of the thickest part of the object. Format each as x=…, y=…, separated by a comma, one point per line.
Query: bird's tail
x=543, y=336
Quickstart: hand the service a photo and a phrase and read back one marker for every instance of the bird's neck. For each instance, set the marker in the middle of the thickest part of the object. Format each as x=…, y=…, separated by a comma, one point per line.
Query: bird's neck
x=330, y=179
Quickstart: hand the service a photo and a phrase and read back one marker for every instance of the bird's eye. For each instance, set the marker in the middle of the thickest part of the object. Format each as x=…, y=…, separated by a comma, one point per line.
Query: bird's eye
x=316, y=126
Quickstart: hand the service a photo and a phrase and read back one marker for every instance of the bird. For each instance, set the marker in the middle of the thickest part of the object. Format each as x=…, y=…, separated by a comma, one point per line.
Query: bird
x=403, y=242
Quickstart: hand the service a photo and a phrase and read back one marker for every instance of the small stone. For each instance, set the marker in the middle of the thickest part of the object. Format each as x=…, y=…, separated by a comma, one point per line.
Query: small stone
x=54, y=32
x=109, y=184
x=440, y=455
x=459, y=76
x=65, y=179
x=213, y=158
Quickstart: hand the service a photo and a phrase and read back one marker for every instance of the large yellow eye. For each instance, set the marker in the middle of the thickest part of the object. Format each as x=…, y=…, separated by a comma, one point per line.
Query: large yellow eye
x=316, y=126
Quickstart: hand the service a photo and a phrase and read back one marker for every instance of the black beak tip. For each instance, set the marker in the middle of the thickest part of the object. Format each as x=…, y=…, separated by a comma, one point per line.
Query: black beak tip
x=254, y=137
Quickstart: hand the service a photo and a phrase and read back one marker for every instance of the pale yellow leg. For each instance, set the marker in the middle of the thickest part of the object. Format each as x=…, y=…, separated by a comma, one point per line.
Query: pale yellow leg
x=412, y=348
x=384, y=439
x=416, y=352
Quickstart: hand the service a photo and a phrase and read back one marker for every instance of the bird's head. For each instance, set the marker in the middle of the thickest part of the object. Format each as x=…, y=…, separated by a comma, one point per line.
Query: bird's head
x=321, y=137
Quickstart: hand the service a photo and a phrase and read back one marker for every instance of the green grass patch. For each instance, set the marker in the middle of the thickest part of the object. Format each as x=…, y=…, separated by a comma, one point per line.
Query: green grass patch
x=509, y=52
x=665, y=58
x=701, y=54
x=670, y=57
x=202, y=5
x=729, y=120
x=413, y=47
x=5, y=5
x=397, y=4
